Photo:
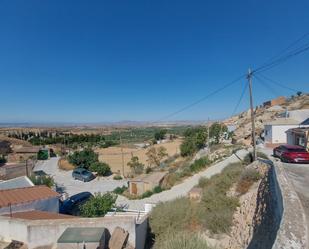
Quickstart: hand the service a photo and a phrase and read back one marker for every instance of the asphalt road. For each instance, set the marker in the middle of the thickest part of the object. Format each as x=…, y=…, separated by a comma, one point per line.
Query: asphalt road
x=299, y=175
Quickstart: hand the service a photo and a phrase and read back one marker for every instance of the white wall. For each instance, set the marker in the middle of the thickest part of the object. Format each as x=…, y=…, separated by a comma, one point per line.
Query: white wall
x=279, y=133
x=50, y=205
x=46, y=232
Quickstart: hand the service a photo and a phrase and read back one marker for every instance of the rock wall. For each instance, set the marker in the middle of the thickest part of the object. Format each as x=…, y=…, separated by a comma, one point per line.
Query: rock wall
x=256, y=220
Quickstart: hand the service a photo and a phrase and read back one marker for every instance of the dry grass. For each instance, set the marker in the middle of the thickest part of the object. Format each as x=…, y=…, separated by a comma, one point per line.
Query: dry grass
x=112, y=155
x=65, y=165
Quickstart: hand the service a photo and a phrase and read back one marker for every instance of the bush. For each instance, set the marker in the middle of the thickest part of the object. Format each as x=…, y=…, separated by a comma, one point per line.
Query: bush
x=157, y=189
x=147, y=194
x=98, y=205
x=148, y=170
x=43, y=180
x=120, y=190
x=83, y=158
x=102, y=169
x=249, y=157
x=182, y=241
x=117, y=177
x=2, y=160
x=169, y=217
x=247, y=178
x=199, y=164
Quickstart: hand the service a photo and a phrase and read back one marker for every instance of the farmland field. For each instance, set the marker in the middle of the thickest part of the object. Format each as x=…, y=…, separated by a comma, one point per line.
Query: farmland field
x=112, y=155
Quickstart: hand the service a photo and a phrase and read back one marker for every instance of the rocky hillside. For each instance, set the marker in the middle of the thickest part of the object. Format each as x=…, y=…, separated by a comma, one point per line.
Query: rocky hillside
x=263, y=114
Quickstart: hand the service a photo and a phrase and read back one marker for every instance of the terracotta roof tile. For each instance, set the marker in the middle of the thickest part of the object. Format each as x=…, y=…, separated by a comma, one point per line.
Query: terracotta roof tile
x=22, y=195
x=40, y=215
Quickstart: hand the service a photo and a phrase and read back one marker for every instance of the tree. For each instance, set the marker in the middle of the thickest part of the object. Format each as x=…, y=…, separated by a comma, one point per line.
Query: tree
x=299, y=93
x=83, y=158
x=216, y=130
x=159, y=135
x=98, y=205
x=101, y=168
x=43, y=155
x=156, y=155
x=5, y=148
x=195, y=139
x=136, y=166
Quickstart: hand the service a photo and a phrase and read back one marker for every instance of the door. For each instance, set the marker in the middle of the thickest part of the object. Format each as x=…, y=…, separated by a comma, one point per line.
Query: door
x=133, y=188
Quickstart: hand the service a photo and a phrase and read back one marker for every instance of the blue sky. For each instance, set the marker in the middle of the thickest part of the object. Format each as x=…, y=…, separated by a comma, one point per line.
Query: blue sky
x=96, y=61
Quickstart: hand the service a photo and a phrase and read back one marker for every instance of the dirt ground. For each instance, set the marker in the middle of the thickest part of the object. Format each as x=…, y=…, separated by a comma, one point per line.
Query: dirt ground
x=113, y=157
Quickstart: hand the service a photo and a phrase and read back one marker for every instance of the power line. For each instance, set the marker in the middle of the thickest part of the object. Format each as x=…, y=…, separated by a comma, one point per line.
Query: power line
x=286, y=49
x=277, y=83
x=201, y=99
x=282, y=59
x=266, y=85
x=240, y=98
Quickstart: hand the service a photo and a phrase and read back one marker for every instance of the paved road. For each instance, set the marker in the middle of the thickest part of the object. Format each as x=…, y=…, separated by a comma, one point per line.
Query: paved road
x=64, y=179
x=299, y=175
x=181, y=189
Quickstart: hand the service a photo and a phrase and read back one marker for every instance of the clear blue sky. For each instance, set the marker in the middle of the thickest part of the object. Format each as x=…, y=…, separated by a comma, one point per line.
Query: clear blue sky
x=95, y=61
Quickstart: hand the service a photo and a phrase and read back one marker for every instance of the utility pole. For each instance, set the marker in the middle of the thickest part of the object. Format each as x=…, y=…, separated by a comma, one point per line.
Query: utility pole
x=208, y=136
x=122, y=157
x=249, y=77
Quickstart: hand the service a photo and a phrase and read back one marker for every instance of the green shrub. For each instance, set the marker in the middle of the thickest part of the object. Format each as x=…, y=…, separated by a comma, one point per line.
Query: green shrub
x=182, y=241
x=98, y=205
x=170, y=216
x=157, y=189
x=148, y=170
x=42, y=155
x=120, y=190
x=199, y=164
x=101, y=168
x=117, y=177
x=249, y=157
x=43, y=180
x=262, y=155
x=147, y=194
x=83, y=158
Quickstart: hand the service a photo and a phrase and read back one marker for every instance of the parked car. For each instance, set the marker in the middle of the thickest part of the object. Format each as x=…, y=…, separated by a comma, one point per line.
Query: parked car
x=291, y=154
x=82, y=175
x=72, y=205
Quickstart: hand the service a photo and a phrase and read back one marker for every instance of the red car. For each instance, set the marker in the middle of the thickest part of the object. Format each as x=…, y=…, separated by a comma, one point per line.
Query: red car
x=291, y=154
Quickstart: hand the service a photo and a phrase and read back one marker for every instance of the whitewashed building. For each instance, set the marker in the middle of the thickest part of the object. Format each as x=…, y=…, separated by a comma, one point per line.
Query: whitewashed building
x=275, y=131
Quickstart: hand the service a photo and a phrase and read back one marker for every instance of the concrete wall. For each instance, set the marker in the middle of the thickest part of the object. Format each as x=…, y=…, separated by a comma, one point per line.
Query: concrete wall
x=50, y=205
x=46, y=232
x=292, y=233
x=276, y=134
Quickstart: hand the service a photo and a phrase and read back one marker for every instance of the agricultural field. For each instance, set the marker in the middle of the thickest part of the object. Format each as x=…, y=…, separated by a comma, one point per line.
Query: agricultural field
x=113, y=155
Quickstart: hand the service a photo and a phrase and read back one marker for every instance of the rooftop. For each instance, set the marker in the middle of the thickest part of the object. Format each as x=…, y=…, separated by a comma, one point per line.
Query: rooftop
x=18, y=182
x=32, y=149
x=39, y=215
x=81, y=234
x=155, y=177
x=283, y=121
x=22, y=195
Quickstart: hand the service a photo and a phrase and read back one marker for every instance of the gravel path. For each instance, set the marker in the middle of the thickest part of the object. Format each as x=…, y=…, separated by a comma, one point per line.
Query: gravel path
x=181, y=189
x=64, y=179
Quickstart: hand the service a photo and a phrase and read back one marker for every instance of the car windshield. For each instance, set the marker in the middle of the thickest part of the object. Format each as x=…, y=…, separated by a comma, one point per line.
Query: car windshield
x=297, y=150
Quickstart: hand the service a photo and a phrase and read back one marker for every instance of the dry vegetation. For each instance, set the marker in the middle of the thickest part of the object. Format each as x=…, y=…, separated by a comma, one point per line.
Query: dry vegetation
x=113, y=155
x=65, y=165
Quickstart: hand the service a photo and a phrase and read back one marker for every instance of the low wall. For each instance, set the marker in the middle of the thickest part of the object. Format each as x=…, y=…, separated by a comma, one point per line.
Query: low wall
x=46, y=232
x=292, y=233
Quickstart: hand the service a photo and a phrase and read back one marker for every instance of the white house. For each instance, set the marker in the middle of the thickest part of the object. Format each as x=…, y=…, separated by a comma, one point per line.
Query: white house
x=31, y=198
x=275, y=131
x=298, y=136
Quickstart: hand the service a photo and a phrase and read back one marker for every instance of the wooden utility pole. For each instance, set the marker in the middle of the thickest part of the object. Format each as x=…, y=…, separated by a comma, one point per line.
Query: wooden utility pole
x=208, y=136
x=249, y=77
x=122, y=157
